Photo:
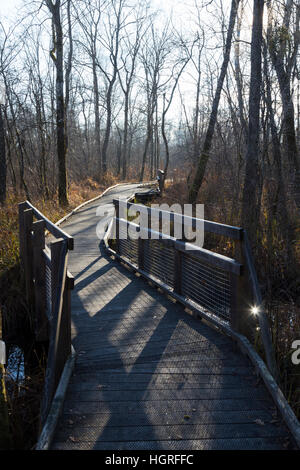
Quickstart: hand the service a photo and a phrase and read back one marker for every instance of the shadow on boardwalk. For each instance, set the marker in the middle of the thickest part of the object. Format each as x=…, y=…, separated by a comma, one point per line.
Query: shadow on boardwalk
x=149, y=376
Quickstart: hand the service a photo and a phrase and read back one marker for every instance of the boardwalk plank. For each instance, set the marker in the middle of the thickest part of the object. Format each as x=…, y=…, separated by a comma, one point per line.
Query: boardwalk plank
x=169, y=417
x=167, y=394
x=171, y=432
x=177, y=445
x=186, y=406
x=182, y=384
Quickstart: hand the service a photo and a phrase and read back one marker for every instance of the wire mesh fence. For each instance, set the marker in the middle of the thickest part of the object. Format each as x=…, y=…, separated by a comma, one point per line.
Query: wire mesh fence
x=159, y=260
x=206, y=284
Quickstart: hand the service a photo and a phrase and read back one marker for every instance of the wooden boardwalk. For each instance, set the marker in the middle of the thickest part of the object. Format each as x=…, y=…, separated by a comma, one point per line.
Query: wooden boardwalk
x=148, y=375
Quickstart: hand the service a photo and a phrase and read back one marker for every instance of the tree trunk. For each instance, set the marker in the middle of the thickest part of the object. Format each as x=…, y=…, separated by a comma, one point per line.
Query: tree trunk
x=97, y=115
x=57, y=57
x=250, y=217
x=148, y=140
x=279, y=206
x=68, y=74
x=60, y=117
x=204, y=157
x=108, y=126
x=2, y=160
x=125, y=139
x=238, y=74
x=283, y=66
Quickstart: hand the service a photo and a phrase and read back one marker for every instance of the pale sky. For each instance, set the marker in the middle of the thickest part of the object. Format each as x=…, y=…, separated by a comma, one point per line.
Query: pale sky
x=9, y=7
x=182, y=17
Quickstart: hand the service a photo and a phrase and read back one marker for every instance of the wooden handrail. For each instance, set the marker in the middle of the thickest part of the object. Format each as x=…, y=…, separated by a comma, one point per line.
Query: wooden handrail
x=51, y=227
x=215, y=259
x=46, y=276
x=236, y=233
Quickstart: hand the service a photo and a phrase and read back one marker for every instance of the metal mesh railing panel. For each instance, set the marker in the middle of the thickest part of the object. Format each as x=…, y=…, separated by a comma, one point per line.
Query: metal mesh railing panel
x=206, y=285
x=159, y=260
x=48, y=284
x=128, y=247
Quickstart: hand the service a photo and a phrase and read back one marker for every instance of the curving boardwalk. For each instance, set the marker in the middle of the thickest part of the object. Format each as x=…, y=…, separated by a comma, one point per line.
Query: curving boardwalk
x=148, y=375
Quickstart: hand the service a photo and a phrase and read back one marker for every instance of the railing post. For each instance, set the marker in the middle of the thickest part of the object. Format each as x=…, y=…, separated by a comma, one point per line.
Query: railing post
x=177, y=271
x=140, y=253
x=242, y=320
x=178, y=261
x=265, y=330
x=58, y=282
x=65, y=324
x=145, y=227
x=236, y=312
x=161, y=180
x=117, y=215
x=26, y=250
x=39, y=274
x=22, y=207
x=55, y=364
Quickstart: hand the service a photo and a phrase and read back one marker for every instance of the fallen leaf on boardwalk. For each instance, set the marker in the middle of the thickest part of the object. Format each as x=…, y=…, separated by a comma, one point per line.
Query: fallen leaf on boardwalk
x=186, y=417
x=259, y=421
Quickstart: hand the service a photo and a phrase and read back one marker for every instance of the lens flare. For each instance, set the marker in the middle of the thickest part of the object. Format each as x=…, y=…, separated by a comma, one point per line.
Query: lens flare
x=255, y=310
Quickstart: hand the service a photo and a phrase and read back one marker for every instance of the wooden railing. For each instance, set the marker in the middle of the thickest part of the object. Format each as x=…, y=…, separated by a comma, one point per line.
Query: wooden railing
x=48, y=292
x=223, y=290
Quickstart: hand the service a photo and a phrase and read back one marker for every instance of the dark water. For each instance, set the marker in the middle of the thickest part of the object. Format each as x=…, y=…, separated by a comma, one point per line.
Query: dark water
x=15, y=370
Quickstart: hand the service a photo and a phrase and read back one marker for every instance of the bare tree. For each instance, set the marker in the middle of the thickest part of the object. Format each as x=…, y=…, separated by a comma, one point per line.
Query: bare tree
x=279, y=208
x=89, y=20
x=283, y=49
x=57, y=56
x=175, y=75
x=205, y=153
x=111, y=42
x=68, y=70
x=238, y=73
x=3, y=168
x=128, y=59
x=37, y=96
x=155, y=51
x=10, y=47
x=250, y=216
